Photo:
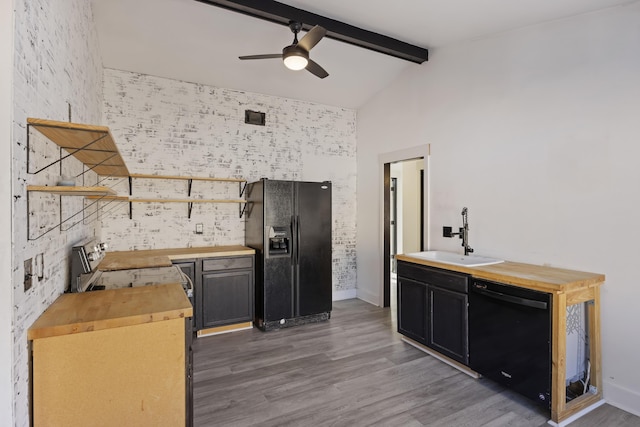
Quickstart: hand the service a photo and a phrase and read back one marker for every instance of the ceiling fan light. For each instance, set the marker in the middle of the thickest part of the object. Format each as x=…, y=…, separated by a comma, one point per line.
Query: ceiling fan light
x=295, y=58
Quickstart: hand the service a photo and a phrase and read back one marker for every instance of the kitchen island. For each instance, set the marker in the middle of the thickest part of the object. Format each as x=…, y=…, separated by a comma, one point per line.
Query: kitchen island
x=567, y=288
x=113, y=357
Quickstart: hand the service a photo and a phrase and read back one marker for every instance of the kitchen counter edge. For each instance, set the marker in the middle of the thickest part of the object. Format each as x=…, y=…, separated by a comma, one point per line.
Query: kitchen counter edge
x=542, y=278
x=124, y=260
x=74, y=313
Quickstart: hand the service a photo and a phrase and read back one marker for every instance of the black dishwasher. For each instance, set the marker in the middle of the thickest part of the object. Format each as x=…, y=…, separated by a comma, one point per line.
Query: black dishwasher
x=510, y=337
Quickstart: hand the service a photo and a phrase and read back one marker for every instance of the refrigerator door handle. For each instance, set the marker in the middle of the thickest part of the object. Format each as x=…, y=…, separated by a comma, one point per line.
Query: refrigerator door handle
x=294, y=228
x=297, y=239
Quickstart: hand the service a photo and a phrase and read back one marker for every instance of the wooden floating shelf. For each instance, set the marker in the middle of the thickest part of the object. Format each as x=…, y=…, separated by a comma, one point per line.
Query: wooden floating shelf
x=96, y=192
x=136, y=200
x=187, y=200
x=92, y=145
x=194, y=178
x=109, y=198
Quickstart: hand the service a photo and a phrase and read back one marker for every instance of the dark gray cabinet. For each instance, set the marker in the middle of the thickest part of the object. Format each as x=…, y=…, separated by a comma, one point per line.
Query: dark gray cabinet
x=224, y=291
x=448, y=323
x=412, y=309
x=433, y=309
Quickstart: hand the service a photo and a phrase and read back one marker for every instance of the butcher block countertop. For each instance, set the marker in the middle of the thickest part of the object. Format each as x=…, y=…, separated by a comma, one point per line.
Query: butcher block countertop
x=542, y=278
x=76, y=313
x=124, y=260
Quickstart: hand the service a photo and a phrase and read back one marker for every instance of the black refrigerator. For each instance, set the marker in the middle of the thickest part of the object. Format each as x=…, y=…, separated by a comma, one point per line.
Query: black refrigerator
x=288, y=223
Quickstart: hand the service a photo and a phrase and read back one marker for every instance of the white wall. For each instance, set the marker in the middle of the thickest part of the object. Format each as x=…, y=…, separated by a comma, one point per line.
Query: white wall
x=536, y=131
x=55, y=64
x=6, y=303
x=170, y=127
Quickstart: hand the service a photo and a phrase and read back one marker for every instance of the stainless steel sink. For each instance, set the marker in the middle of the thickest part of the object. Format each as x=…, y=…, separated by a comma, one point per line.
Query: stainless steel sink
x=455, y=259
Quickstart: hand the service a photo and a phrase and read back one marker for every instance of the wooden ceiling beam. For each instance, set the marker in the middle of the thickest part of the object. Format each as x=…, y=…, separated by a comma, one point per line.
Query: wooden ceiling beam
x=281, y=13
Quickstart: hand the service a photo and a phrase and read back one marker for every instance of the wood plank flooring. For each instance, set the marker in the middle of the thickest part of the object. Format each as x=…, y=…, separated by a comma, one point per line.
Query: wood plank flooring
x=353, y=370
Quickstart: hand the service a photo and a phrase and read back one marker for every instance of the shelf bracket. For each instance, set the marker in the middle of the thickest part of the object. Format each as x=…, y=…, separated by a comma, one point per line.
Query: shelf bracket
x=243, y=186
x=242, y=207
x=190, y=204
x=130, y=194
x=189, y=208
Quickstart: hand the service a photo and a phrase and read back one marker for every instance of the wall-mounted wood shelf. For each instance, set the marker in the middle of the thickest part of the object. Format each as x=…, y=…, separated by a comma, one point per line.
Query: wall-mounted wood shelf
x=160, y=200
x=97, y=192
x=190, y=201
x=187, y=200
x=92, y=145
x=95, y=148
x=186, y=178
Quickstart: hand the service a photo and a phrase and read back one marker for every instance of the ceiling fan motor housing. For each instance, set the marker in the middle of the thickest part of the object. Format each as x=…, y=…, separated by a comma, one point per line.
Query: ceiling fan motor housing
x=295, y=57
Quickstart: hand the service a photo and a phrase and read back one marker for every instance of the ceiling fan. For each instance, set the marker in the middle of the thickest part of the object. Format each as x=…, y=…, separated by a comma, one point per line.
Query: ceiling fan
x=296, y=55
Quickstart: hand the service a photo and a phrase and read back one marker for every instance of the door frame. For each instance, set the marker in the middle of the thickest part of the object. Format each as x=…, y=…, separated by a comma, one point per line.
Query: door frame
x=384, y=170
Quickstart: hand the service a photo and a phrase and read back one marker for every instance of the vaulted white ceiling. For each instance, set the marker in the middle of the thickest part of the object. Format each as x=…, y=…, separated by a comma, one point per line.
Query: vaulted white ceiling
x=191, y=41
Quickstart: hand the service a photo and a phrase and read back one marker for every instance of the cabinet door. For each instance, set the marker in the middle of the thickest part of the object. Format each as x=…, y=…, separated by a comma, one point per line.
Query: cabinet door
x=412, y=309
x=227, y=298
x=448, y=323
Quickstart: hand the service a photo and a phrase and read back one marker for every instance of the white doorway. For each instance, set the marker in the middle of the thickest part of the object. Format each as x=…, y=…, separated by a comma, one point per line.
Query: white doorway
x=405, y=221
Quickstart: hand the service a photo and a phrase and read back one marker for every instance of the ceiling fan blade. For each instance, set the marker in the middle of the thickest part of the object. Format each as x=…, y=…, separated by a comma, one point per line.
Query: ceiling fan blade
x=266, y=56
x=312, y=37
x=316, y=69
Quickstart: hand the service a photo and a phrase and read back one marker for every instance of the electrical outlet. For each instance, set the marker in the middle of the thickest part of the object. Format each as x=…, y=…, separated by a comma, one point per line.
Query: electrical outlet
x=199, y=228
x=28, y=274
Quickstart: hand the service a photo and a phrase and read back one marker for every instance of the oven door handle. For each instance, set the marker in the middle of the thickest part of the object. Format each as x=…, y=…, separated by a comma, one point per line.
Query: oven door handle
x=509, y=298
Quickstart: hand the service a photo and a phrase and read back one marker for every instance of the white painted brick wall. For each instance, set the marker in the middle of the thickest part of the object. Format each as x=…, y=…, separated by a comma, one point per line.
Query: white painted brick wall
x=56, y=62
x=170, y=127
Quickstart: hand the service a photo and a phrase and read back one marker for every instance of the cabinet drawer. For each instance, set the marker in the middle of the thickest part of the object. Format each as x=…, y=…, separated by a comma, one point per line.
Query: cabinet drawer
x=231, y=263
x=457, y=282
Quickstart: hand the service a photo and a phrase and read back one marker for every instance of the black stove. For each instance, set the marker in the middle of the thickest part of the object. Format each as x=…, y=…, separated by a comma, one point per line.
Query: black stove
x=85, y=275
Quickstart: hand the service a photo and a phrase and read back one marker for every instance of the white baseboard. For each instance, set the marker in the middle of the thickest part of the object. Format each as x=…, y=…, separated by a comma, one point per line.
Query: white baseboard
x=346, y=294
x=459, y=366
x=368, y=297
x=621, y=397
x=577, y=415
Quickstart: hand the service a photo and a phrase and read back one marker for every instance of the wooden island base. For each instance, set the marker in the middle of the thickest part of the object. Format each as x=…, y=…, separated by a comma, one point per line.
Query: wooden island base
x=567, y=288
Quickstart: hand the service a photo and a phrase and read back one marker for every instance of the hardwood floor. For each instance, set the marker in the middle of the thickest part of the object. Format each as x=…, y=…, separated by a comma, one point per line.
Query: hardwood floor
x=353, y=370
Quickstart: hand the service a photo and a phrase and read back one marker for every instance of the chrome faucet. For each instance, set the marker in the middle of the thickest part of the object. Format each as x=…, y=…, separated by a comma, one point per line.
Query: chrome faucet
x=465, y=232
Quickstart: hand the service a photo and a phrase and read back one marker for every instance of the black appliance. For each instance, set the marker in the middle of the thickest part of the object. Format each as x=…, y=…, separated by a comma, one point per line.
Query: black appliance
x=510, y=337
x=85, y=275
x=288, y=223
